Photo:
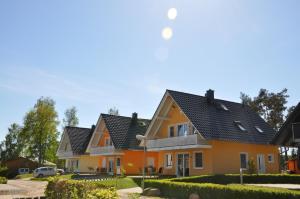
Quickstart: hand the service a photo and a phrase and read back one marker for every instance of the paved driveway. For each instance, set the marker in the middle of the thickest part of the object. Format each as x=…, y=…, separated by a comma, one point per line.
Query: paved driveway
x=22, y=188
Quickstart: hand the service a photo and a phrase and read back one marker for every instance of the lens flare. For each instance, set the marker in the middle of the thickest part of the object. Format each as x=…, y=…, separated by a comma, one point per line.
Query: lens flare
x=167, y=33
x=172, y=13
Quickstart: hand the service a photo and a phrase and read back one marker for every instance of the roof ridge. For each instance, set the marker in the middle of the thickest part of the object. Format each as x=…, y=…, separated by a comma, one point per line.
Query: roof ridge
x=106, y=114
x=205, y=97
x=77, y=127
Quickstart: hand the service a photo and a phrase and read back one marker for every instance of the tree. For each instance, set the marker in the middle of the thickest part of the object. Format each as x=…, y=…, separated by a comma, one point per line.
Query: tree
x=71, y=118
x=289, y=111
x=113, y=111
x=11, y=147
x=40, y=131
x=271, y=106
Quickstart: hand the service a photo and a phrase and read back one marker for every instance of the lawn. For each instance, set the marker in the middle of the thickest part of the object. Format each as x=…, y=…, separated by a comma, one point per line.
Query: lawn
x=22, y=176
x=120, y=183
x=67, y=176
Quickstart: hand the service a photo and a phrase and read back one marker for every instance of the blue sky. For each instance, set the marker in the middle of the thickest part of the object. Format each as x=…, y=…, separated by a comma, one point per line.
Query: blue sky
x=99, y=54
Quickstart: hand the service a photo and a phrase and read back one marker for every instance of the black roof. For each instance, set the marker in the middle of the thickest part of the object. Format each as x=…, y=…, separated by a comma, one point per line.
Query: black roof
x=213, y=122
x=123, y=130
x=284, y=135
x=79, y=138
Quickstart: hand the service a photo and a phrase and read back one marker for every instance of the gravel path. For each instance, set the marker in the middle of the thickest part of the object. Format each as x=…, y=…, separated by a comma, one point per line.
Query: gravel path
x=22, y=188
x=285, y=186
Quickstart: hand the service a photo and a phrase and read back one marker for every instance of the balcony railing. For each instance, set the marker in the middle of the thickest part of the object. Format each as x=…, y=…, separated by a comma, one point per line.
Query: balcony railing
x=103, y=150
x=180, y=141
x=64, y=154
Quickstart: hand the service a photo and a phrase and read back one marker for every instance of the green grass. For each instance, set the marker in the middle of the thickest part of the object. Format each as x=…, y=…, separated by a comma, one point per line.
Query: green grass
x=120, y=183
x=22, y=176
x=68, y=177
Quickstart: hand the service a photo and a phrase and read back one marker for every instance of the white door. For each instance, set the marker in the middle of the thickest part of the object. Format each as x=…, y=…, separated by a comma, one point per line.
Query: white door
x=261, y=167
x=118, y=166
x=182, y=167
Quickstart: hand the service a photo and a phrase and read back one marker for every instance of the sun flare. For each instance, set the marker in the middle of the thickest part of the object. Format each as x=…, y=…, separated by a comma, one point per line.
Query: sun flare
x=167, y=33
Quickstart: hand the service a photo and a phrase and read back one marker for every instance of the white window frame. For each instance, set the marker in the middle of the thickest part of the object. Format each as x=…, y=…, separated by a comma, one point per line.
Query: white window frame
x=247, y=160
x=166, y=160
x=271, y=155
x=194, y=160
x=240, y=126
x=183, y=123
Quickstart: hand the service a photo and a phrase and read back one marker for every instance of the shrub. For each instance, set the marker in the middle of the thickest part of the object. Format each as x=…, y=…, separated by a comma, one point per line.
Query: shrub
x=103, y=194
x=216, y=191
x=65, y=189
x=3, y=180
x=251, y=167
x=3, y=171
x=247, y=178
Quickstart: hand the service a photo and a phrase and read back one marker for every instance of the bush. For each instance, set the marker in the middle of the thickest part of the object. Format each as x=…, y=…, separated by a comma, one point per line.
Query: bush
x=173, y=189
x=3, y=180
x=103, y=194
x=3, y=171
x=247, y=178
x=75, y=189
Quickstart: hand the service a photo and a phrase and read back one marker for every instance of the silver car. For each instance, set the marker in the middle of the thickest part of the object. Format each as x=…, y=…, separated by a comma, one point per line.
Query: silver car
x=44, y=171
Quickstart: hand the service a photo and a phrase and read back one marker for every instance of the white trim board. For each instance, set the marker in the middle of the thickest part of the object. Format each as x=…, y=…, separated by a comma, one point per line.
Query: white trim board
x=180, y=147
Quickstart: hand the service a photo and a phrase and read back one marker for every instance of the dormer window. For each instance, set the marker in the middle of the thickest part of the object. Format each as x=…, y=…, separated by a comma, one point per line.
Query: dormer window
x=224, y=107
x=240, y=126
x=259, y=129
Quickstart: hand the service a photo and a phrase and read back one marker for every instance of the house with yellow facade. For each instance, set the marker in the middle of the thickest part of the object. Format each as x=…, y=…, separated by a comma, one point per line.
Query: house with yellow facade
x=72, y=149
x=195, y=135
x=116, y=148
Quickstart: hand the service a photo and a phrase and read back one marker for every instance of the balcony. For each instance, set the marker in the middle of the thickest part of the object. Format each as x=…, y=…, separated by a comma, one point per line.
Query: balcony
x=181, y=142
x=64, y=154
x=106, y=150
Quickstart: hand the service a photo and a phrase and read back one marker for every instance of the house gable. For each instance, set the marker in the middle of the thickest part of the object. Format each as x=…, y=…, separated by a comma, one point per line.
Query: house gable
x=64, y=149
x=168, y=114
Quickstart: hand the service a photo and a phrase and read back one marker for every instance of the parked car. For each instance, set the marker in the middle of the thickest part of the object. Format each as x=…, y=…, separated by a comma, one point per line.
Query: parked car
x=60, y=171
x=23, y=171
x=44, y=171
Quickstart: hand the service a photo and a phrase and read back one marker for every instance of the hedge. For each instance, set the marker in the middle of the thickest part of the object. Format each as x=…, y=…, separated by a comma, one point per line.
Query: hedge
x=217, y=191
x=75, y=189
x=3, y=171
x=3, y=180
x=247, y=178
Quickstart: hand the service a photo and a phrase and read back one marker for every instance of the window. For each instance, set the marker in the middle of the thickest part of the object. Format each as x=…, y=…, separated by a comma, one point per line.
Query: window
x=168, y=160
x=198, y=160
x=150, y=161
x=259, y=129
x=108, y=142
x=240, y=126
x=270, y=158
x=224, y=107
x=118, y=163
x=171, y=131
x=244, y=160
x=182, y=129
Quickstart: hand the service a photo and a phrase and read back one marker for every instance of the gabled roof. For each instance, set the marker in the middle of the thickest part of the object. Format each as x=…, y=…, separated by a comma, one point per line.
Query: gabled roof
x=123, y=130
x=213, y=122
x=79, y=138
x=284, y=135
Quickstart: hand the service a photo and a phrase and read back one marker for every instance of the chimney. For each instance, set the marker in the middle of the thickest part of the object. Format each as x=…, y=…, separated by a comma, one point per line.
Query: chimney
x=93, y=127
x=134, y=117
x=210, y=96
